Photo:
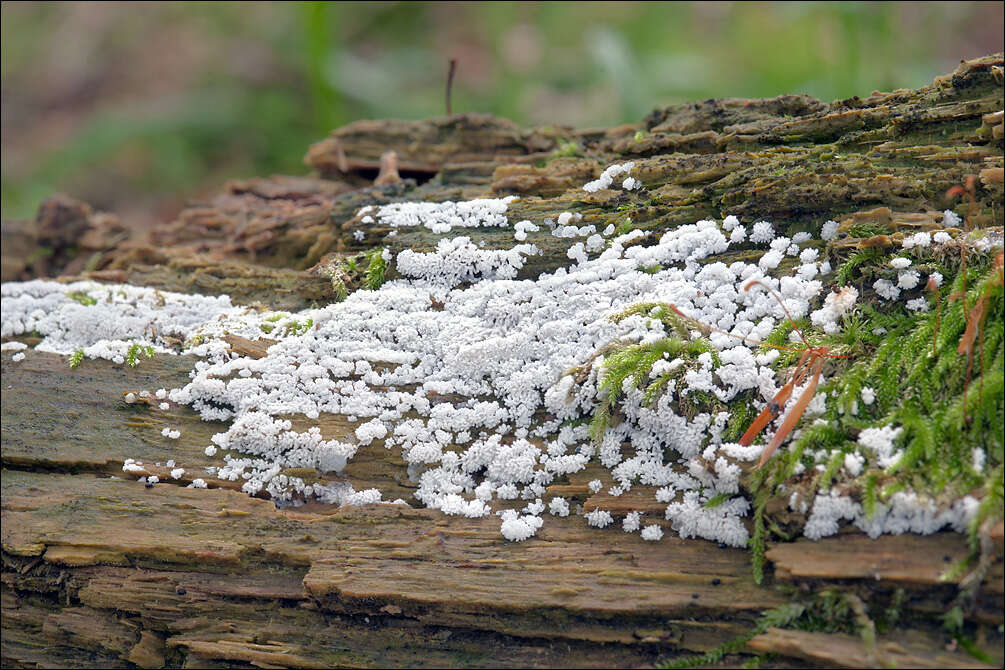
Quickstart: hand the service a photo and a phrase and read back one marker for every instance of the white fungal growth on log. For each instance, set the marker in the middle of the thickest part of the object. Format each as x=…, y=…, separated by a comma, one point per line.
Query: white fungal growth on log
x=474, y=394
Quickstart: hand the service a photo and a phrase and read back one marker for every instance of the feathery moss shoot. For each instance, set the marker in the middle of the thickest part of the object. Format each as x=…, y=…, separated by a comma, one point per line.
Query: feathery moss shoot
x=636, y=362
x=133, y=355
x=376, y=269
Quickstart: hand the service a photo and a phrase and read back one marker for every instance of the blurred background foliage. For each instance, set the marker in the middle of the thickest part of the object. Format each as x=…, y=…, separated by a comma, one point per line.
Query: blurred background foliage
x=135, y=106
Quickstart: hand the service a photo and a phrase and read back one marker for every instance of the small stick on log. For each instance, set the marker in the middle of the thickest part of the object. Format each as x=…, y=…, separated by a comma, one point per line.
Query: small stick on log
x=450, y=81
x=388, y=170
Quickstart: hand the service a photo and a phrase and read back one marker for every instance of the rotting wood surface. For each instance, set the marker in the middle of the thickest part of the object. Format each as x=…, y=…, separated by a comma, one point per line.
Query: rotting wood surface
x=100, y=571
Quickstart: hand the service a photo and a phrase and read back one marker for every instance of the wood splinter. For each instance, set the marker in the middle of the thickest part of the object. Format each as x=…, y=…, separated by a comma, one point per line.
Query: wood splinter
x=388, y=175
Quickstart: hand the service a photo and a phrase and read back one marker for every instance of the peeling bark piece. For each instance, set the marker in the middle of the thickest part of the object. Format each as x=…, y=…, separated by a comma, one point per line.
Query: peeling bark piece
x=242, y=346
x=909, y=559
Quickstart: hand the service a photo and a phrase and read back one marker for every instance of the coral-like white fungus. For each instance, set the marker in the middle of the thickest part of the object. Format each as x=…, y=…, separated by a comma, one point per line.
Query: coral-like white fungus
x=885, y=289
x=517, y=528
x=908, y=279
x=631, y=522
x=951, y=219
x=442, y=217
x=599, y=518
x=607, y=177
x=763, y=232
x=880, y=441
x=921, y=239
x=836, y=305
x=559, y=507
x=653, y=533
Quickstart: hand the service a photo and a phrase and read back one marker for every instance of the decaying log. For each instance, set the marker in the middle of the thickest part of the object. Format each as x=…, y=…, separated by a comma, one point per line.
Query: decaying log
x=99, y=571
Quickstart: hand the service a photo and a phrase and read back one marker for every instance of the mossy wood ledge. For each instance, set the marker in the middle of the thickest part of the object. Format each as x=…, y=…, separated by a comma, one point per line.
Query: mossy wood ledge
x=100, y=571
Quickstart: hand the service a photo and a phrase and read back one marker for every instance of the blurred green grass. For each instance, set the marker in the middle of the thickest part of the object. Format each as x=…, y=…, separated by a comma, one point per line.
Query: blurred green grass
x=132, y=107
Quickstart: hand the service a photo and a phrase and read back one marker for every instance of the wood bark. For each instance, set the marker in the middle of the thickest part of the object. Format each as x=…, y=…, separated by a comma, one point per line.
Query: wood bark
x=99, y=571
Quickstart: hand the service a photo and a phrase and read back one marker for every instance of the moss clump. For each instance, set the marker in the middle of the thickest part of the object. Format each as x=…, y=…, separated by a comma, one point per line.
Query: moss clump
x=829, y=611
x=566, y=149
x=950, y=410
x=624, y=227
x=82, y=298
x=135, y=350
x=376, y=269
x=288, y=327
x=635, y=361
x=194, y=341
x=294, y=327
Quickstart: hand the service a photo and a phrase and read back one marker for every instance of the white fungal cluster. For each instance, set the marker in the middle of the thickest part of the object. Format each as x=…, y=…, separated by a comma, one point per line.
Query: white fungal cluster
x=458, y=260
x=472, y=393
x=607, y=178
x=522, y=228
x=442, y=217
x=901, y=280
x=836, y=305
x=905, y=512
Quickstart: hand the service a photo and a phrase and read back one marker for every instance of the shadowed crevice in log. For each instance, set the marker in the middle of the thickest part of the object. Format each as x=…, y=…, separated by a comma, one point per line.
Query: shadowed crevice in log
x=420, y=177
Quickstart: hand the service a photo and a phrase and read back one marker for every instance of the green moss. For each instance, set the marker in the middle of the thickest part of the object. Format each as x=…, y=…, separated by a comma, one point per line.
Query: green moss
x=739, y=418
x=635, y=361
x=849, y=271
x=780, y=617
x=82, y=298
x=757, y=538
x=920, y=382
x=376, y=269
x=625, y=226
x=135, y=350
x=294, y=327
x=566, y=149
x=830, y=611
x=717, y=500
x=76, y=357
x=193, y=341
x=868, y=230
x=910, y=361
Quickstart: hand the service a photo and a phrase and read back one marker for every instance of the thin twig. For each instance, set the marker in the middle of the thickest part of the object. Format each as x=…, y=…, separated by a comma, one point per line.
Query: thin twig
x=450, y=81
